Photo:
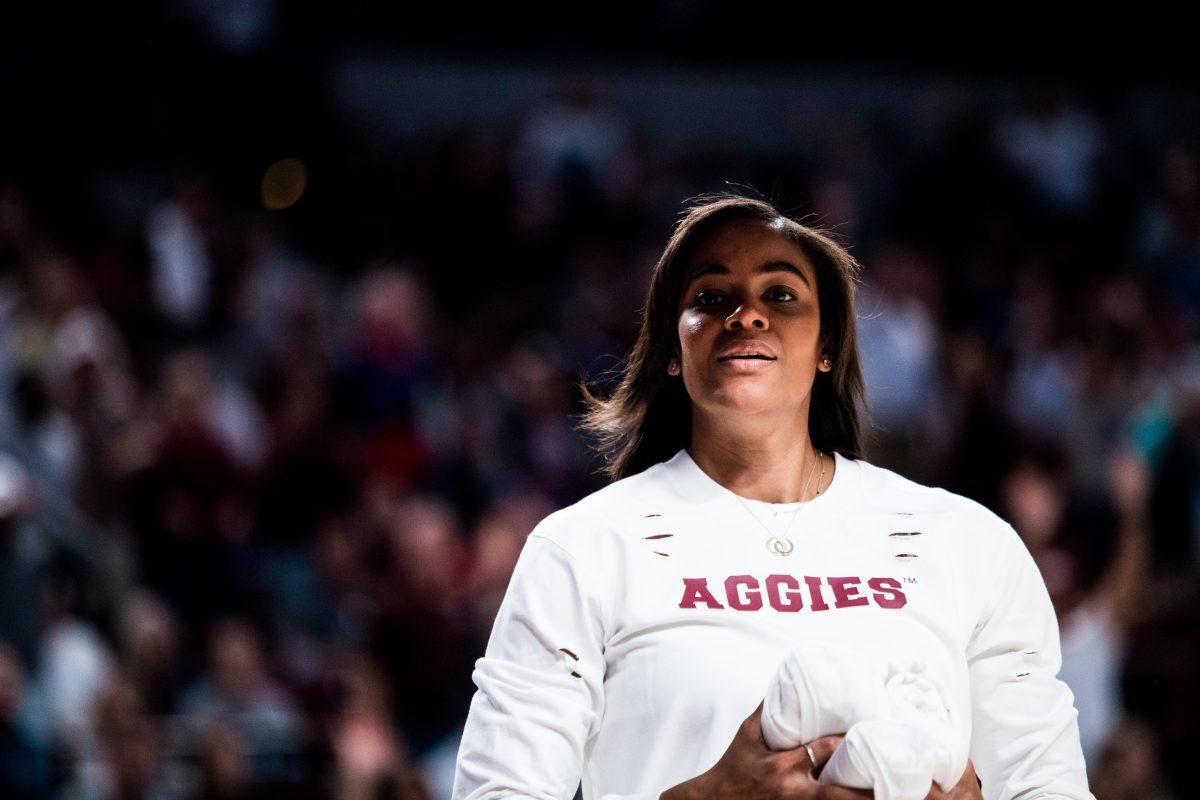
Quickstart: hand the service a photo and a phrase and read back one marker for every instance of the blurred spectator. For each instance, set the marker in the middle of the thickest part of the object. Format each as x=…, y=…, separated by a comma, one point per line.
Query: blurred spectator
x=499, y=536
x=1169, y=232
x=1176, y=490
x=238, y=691
x=571, y=155
x=148, y=641
x=387, y=359
x=225, y=772
x=190, y=503
x=899, y=349
x=1056, y=145
x=1095, y=563
x=23, y=556
x=75, y=663
x=1128, y=767
x=27, y=771
x=1045, y=381
x=372, y=761
x=119, y=754
x=423, y=633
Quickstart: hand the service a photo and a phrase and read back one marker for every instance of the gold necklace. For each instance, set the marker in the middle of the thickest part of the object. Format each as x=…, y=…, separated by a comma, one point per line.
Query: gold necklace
x=782, y=545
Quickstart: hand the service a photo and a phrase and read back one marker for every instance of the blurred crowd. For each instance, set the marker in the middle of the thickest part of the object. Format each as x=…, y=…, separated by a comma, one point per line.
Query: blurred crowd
x=265, y=471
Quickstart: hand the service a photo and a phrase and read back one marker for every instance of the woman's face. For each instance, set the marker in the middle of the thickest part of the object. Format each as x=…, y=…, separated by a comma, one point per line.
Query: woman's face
x=749, y=322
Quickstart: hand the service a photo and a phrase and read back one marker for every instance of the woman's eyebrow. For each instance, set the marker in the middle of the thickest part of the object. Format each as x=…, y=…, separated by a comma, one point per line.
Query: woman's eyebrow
x=784, y=266
x=778, y=265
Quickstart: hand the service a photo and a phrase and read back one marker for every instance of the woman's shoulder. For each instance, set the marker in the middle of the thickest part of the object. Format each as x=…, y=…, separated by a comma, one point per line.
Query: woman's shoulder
x=608, y=510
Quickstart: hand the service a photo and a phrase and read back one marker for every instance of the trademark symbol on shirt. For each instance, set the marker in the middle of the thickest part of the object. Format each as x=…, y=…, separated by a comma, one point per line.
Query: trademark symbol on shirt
x=909, y=579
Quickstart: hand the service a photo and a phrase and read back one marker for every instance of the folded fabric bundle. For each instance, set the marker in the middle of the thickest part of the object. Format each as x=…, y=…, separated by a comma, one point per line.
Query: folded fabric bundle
x=899, y=735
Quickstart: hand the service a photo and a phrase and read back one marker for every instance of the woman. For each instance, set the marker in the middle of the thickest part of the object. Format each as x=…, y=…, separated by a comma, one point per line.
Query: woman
x=644, y=622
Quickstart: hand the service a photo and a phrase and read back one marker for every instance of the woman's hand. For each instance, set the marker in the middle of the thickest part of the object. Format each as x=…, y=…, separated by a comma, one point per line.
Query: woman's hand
x=967, y=788
x=752, y=771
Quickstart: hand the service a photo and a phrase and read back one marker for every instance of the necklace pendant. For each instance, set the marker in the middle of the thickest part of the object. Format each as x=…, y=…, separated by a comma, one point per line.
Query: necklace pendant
x=780, y=545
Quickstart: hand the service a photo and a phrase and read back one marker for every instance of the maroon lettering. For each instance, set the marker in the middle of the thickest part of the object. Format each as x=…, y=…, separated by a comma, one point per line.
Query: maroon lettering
x=845, y=592
x=695, y=590
x=784, y=601
x=887, y=592
x=753, y=599
x=784, y=593
x=816, y=599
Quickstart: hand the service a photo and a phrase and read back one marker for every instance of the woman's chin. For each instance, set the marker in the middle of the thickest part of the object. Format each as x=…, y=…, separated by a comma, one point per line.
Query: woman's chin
x=747, y=396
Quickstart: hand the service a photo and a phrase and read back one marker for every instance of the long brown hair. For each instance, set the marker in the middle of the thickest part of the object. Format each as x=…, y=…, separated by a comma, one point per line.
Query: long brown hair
x=648, y=417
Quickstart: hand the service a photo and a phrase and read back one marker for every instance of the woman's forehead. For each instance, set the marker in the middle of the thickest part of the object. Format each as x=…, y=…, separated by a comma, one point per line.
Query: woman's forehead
x=738, y=238
x=751, y=246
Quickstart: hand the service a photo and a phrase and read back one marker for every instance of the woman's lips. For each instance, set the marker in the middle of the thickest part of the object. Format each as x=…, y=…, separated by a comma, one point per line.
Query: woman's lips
x=763, y=356
x=742, y=348
x=745, y=363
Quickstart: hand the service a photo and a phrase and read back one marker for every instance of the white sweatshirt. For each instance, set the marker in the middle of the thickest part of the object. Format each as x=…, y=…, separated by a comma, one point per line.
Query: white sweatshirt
x=644, y=623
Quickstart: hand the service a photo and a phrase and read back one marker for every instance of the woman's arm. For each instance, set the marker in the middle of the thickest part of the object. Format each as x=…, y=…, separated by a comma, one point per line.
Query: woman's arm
x=1024, y=739
x=540, y=683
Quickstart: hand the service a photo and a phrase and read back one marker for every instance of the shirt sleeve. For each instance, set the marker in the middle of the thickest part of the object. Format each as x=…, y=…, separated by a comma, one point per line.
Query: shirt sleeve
x=540, y=683
x=1025, y=737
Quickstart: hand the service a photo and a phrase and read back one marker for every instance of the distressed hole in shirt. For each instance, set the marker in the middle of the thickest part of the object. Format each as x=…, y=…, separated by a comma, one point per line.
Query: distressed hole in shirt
x=659, y=536
x=664, y=555
x=906, y=555
x=1023, y=675
x=1032, y=652
x=906, y=533
x=648, y=516
x=575, y=674
x=903, y=513
x=568, y=652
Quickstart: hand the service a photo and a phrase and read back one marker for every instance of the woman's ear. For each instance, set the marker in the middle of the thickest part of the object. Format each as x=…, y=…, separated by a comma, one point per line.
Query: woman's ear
x=673, y=364
x=824, y=360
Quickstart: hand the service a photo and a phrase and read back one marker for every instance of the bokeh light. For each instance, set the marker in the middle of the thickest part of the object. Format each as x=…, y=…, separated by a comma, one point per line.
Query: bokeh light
x=283, y=183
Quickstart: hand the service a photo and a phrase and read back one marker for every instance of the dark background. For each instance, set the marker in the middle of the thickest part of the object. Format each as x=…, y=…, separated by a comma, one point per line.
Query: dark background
x=294, y=300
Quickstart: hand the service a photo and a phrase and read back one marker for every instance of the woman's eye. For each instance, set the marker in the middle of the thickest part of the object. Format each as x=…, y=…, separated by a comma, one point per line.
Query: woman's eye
x=779, y=293
x=708, y=299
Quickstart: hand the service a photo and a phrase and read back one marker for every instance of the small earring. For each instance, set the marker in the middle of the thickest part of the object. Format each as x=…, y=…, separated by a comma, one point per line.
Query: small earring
x=826, y=363
x=673, y=367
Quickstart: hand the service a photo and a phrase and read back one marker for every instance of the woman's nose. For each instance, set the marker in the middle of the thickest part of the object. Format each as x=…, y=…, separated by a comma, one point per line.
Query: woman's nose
x=747, y=315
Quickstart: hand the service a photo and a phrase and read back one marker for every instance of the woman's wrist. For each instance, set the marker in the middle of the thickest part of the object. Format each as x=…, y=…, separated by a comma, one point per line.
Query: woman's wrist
x=694, y=789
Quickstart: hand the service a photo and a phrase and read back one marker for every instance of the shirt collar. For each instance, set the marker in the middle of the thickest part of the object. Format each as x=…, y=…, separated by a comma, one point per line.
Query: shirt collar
x=696, y=486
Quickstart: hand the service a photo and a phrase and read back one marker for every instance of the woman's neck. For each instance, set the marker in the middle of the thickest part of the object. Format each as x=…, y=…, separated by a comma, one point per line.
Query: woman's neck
x=771, y=466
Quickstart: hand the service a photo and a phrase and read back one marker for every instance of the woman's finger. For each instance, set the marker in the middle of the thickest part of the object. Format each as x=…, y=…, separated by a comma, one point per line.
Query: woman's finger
x=755, y=718
x=968, y=787
x=822, y=750
x=831, y=792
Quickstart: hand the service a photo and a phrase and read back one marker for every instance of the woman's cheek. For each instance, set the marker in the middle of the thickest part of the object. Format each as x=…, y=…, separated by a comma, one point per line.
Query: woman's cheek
x=690, y=323
x=691, y=331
